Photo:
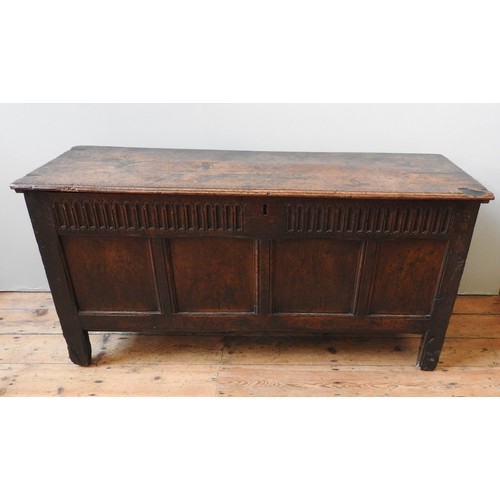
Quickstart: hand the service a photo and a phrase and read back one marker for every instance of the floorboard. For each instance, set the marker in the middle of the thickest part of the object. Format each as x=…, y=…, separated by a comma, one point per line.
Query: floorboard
x=34, y=361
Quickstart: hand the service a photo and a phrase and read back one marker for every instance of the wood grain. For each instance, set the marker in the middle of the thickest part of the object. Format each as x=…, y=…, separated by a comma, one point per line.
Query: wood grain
x=474, y=326
x=322, y=279
x=136, y=170
x=115, y=349
x=162, y=240
x=264, y=380
x=32, y=320
x=120, y=278
x=35, y=320
x=399, y=285
x=120, y=380
x=361, y=351
x=137, y=349
x=477, y=304
x=23, y=300
x=40, y=320
x=34, y=362
x=223, y=278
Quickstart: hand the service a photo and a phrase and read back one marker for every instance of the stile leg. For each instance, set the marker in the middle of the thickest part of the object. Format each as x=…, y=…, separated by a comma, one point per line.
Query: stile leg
x=79, y=348
x=430, y=350
x=77, y=338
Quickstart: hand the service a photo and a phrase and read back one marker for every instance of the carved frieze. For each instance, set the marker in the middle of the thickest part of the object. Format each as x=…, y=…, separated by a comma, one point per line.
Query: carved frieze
x=107, y=215
x=348, y=219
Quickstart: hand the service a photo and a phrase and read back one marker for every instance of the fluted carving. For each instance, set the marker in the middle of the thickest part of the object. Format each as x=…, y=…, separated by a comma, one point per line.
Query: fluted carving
x=354, y=219
x=104, y=215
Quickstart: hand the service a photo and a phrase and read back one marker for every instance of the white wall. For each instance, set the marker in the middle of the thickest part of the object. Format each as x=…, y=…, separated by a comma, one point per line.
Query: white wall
x=32, y=134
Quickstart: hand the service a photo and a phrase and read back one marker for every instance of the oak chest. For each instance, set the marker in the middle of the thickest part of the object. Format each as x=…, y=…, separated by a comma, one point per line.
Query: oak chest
x=158, y=240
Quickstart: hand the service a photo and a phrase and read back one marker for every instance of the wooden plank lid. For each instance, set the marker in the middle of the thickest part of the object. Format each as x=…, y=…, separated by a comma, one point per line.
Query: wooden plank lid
x=185, y=171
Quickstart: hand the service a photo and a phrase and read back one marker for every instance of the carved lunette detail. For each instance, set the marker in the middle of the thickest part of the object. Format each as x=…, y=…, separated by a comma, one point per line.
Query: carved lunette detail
x=371, y=220
x=109, y=215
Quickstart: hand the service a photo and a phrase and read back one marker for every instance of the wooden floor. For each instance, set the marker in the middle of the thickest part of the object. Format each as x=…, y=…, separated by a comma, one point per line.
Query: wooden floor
x=34, y=361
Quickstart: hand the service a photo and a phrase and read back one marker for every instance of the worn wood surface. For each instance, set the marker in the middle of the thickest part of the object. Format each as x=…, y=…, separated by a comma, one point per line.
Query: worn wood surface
x=34, y=362
x=151, y=240
x=136, y=170
x=276, y=265
x=477, y=304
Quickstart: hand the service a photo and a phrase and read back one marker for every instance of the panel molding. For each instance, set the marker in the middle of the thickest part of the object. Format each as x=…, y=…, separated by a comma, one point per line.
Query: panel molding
x=215, y=276
x=431, y=293
x=94, y=285
x=320, y=276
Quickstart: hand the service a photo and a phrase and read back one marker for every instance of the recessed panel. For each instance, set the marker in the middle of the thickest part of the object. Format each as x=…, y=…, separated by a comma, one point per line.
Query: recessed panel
x=407, y=276
x=111, y=273
x=214, y=274
x=314, y=275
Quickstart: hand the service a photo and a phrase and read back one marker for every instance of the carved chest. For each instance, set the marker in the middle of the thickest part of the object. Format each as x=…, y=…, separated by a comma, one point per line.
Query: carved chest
x=158, y=240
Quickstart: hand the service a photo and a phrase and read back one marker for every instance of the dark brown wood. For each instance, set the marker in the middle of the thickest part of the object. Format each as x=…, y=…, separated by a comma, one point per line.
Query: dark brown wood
x=315, y=275
x=121, y=278
x=180, y=240
x=223, y=279
x=406, y=276
x=175, y=171
x=77, y=338
x=458, y=247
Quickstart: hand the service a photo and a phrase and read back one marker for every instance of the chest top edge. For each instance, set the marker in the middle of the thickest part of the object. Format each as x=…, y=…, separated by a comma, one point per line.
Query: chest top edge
x=254, y=173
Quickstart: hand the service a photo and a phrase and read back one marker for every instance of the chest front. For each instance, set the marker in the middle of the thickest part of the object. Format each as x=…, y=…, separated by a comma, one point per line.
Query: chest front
x=239, y=241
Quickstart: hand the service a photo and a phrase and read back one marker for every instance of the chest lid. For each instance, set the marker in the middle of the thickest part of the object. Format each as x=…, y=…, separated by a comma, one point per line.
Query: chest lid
x=217, y=172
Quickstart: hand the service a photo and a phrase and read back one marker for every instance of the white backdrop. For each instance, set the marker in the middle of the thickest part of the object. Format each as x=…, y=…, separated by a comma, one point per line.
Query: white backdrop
x=32, y=134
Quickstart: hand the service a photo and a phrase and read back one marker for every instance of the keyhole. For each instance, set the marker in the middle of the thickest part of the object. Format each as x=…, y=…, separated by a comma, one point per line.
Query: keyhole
x=264, y=209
